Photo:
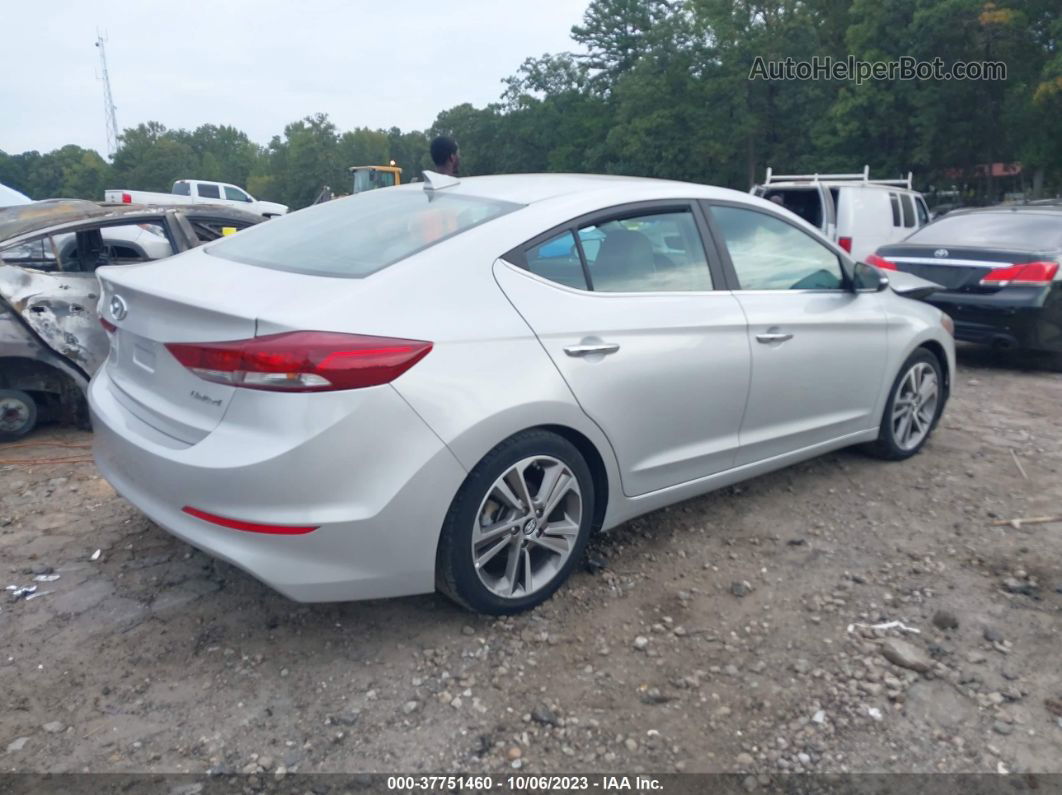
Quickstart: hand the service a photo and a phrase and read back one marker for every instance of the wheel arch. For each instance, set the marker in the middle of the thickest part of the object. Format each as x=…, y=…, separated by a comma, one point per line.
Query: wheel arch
x=941, y=356
x=593, y=459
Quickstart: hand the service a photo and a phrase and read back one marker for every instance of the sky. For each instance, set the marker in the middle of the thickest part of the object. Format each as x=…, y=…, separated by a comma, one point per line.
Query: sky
x=259, y=64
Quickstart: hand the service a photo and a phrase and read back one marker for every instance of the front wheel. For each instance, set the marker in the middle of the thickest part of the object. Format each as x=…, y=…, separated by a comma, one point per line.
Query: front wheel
x=914, y=406
x=517, y=526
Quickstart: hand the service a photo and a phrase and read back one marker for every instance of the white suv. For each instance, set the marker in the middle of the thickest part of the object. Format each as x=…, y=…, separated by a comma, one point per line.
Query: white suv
x=853, y=210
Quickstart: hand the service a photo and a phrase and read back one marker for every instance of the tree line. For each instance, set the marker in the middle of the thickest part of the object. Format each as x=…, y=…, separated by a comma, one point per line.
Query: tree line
x=662, y=88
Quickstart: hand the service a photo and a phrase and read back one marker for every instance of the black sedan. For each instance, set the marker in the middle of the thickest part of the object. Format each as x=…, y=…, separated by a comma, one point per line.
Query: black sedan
x=999, y=267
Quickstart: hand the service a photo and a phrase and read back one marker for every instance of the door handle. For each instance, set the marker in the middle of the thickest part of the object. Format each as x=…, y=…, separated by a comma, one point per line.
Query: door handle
x=773, y=336
x=586, y=350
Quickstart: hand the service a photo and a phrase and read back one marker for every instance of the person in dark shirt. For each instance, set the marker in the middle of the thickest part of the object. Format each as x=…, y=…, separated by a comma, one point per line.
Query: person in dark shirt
x=445, y=155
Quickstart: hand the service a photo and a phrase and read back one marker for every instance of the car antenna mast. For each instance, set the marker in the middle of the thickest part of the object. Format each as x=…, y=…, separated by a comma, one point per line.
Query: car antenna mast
x=108, y=100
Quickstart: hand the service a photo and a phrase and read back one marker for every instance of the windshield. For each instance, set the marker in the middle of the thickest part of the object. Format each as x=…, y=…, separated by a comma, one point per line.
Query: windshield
x=369, y=178
x=1004, y=229
x=360, y=234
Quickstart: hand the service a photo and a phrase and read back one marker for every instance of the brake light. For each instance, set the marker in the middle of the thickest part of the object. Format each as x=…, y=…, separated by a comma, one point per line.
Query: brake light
x=1022, y=274
x=880, y=262
x=108, y=326
x=302, y=361
x=127, y=199
x=250, y=527
x=845, y=243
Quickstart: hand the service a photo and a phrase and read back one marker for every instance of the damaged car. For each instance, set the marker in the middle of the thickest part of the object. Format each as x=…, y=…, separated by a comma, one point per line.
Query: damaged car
x=51, y=340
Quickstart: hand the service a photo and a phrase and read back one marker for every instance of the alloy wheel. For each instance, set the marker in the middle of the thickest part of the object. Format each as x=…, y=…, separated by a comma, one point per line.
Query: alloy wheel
x=527, y=526
x=915, y=406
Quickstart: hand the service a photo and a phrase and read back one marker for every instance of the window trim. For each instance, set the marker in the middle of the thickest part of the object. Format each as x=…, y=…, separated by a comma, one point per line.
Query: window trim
x=894, y=205
x=517, y=255
x=732, y=281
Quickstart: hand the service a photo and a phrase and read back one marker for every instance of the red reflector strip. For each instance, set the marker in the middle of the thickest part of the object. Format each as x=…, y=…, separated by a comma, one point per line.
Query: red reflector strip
x=108, y=326
x=250, y=527
x=845, y=243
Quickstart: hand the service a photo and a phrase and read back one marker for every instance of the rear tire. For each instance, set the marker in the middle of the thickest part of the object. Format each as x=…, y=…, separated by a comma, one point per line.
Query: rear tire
x=18, y=414
x=518, y=525
x=916, y=400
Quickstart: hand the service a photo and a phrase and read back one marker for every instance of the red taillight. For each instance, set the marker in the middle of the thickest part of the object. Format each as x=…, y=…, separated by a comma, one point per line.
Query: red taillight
x=881, y=262
x=127, y=199
x=108, y=326
x=302, y=361
x=845, y=243
x=1022, y=274
x=250, y=527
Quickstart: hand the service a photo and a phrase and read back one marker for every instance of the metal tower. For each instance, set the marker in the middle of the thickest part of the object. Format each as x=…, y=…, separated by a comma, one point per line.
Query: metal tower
x=108, y=100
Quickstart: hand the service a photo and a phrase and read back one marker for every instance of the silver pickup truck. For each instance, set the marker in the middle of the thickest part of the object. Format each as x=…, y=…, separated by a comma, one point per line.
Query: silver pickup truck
x=51, y=340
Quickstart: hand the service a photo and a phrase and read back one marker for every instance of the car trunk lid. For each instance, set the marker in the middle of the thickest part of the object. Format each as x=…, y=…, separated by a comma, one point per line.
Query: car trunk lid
x=190, y=298
x=953, y=268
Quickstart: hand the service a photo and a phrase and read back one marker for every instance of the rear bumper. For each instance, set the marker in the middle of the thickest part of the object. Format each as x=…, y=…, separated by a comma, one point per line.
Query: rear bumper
x=1014, y=317
x=373, y=476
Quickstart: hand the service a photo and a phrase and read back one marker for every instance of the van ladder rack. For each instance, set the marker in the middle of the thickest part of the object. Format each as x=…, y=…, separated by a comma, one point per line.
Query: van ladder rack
x=863, y=177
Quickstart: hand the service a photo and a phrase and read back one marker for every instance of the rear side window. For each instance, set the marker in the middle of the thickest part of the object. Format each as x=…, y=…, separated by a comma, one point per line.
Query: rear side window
x=181, y=188
x=908, y=210
x=208, y=191
x=894, y=202
x=360, y=234
x=657, y=252
x=558, y=260
x=646, y=254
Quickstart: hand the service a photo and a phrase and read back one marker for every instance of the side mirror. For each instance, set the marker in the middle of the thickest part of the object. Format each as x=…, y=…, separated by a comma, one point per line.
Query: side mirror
x=867, y=277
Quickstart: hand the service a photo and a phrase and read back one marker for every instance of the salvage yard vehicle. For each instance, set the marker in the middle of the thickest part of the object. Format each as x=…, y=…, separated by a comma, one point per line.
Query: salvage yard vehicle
x=464, y=390
x=199, y=191
x=999, y=267
x=51, y=341
x=373, y=177
x=853, y=210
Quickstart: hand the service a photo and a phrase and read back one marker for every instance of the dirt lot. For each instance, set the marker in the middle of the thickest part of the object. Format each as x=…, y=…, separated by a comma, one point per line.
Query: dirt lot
x=715, y=639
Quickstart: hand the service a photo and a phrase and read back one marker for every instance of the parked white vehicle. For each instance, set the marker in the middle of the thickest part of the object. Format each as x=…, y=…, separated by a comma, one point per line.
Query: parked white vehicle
x=198, y=191
x=856, y=212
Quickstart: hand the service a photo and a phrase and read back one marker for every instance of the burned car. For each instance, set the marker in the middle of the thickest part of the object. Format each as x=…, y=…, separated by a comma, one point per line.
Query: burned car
x=51, y=341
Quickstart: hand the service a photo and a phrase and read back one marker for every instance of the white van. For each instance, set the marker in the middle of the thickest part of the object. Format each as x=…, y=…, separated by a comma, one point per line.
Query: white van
x=853, y=210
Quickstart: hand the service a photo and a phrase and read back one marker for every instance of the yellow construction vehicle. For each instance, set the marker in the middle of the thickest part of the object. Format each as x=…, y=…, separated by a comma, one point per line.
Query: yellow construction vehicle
x=372, y=177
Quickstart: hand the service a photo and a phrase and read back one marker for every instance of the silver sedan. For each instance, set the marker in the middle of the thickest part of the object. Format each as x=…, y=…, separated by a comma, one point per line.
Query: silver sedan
x=453, y=384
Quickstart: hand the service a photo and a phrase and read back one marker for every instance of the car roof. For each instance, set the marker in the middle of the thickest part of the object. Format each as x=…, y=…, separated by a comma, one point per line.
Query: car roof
x=531, y=188
x=50, y=214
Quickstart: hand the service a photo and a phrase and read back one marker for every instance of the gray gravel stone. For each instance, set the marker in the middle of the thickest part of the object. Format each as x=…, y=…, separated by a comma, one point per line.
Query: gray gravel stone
x=901, y=653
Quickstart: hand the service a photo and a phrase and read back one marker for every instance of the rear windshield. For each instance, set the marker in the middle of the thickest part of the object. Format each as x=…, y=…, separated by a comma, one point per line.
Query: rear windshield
x=1007, y=229
x=360, y=234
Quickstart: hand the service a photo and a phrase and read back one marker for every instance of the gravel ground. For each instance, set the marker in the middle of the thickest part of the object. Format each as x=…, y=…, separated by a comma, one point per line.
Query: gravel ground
x=723, y=634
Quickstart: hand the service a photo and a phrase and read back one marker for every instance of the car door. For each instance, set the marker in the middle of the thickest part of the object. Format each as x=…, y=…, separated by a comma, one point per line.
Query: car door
x=627, y=306
x=818, y=347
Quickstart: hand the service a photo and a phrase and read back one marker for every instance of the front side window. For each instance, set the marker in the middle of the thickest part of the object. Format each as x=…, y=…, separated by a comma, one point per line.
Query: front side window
x=235, y=194
x=360, y=234
x=208, y=191
x=770, y=254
